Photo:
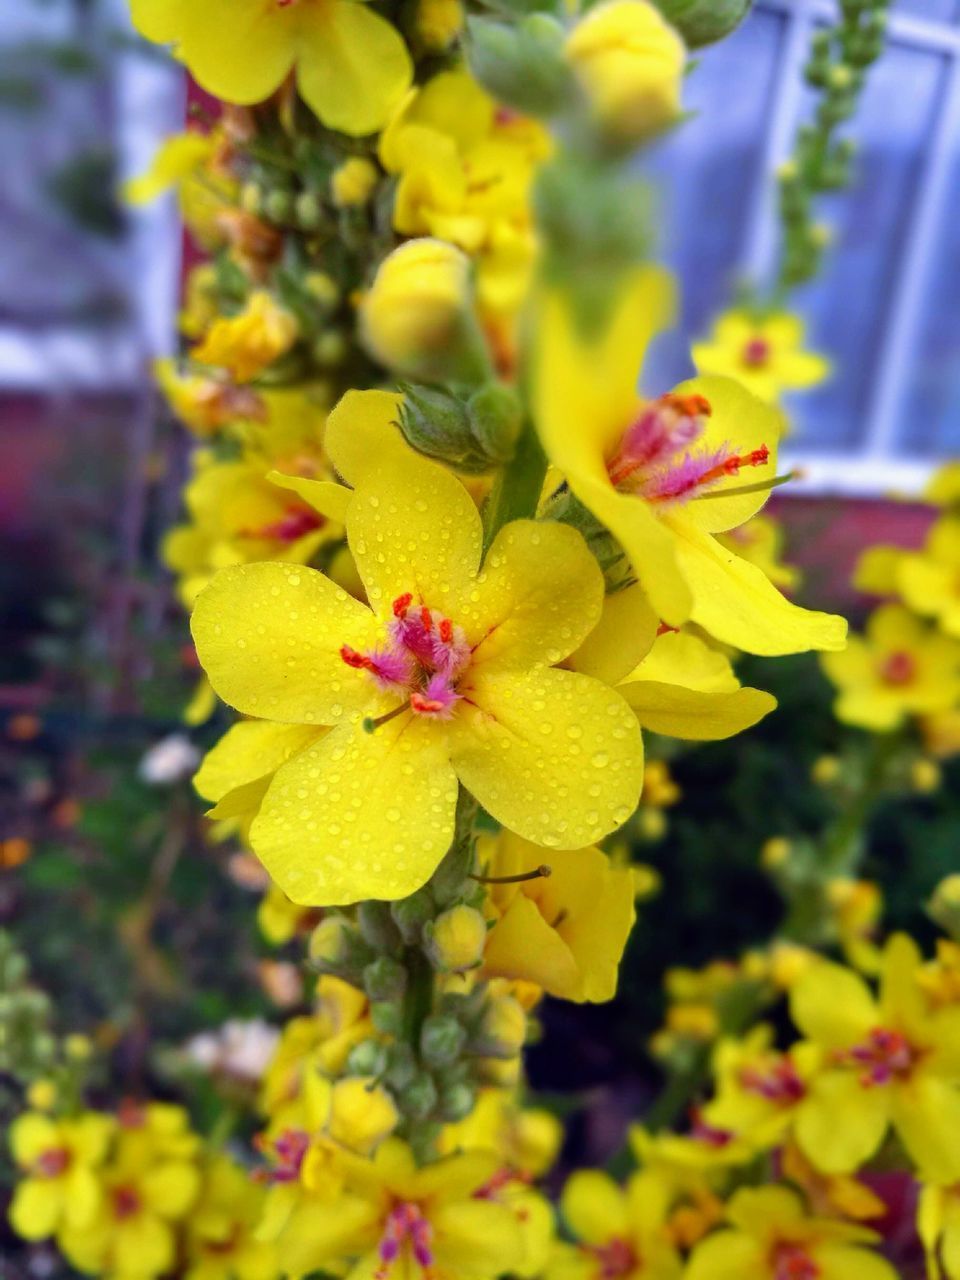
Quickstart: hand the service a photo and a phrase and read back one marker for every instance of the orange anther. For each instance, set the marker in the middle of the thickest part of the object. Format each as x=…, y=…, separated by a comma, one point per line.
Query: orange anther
x=401, y=605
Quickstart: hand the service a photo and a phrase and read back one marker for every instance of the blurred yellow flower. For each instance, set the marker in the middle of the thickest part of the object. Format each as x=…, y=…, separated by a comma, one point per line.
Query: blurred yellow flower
x=764, y=353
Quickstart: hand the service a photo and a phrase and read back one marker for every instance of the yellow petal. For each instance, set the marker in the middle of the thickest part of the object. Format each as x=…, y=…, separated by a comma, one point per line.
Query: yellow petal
x=269, y=638
x=553, y=755
x=353, y=68
x=521, y=945
x=359, y=815
x=737, y=603
x=238, y=50
x=797, y=370
x=743, y=423
x=698, y=717
x=170, y=1188
x=833, y=1006
x=476, y=1239
x=762, y=1211
x=31, y=1135
x=594, y=1207
x=540, y=595
x=840, y=1262
x=159, y=20
x=362, y=434
x=683, y=659
x=330, y=499
x=142, y=1246
x=248, y=752
x=925, y=1113
x=841, y=1123
x=36, y=1208
x=623, y=636
x=82, y=1196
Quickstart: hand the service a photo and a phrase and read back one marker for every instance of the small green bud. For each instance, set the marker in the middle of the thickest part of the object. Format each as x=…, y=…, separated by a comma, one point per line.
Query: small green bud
x=703, y=22
x=322, y=288
x=442, y=1040
x=251, y=198
x=278, y=206
x=377, y=927
x=435, y=422
x=330, y=947
x=308, y=210
x=411, y=914
x=387, y=1017
x=401, y=1066
x=330, y=349
x=503, y=1030
x=385, y=979
x=521, y=64
x=419, y=1098
x=368, y=1058
x=457, y=1102
x=496, y=417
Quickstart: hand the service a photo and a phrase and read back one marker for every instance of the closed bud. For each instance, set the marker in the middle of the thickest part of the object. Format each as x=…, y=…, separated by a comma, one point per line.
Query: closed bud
x=457, y=1102
x=925, y=776
x=353, y=182
x=368, y=1058
x=503, y=1029
x=775, y=852
x=419, y=1098
x=377, y=927
x=521, y=64
x=78, y=1048
x=438, y=23
x=308, y=211
x=455, y=940
x=330, y=349
x=944, y=906
x=436, y=423
x=251, y=198
x=322, y=288
x=442, y=1040
x=278, y=206
x=362, y=1114
x=702, y=22
x=385, y=979
x=417, y=318
x=630, y=63
x=330, y=948
x=411, y=914
x=387, y=1017
x=42, y=1095
x=496, y=417
x=401, y=1066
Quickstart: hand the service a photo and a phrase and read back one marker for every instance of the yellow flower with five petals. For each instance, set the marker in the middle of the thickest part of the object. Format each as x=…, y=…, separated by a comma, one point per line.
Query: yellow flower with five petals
x=60, y=1160
x=764, y=353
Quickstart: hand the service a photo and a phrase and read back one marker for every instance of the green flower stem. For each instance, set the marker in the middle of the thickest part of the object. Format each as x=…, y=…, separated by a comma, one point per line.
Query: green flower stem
x=517, y=488
x=418, y=998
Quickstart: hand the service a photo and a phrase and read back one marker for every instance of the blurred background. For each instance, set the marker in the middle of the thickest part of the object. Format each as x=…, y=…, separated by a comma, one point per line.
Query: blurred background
x=93, y=672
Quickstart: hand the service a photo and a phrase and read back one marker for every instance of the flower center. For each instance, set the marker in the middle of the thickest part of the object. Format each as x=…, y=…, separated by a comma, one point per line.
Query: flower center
x=655, y=459
x=405, y=1227
x=755, y=353
x=51, y=1163
x=615, y=1258
x=126, y=1202
x=289, y=1151
x=293, y=524
x=702, y=1131
x=777, y=1081
x=898, y=668
x=424, y=656
x=791, y=1262
x=885, y=1055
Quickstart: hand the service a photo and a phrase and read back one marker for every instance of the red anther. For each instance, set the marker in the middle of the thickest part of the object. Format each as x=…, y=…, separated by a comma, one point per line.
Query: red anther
x=791, y=1262
x=401, y=605
x=446, y=630
x=360, y=661
x=426, y=618
x=426, y=706
x=731, y=466
x=665, y=627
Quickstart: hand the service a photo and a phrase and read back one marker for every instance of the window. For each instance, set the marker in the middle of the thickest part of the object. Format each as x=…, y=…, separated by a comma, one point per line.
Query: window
x=86, y=296
x=887, y=307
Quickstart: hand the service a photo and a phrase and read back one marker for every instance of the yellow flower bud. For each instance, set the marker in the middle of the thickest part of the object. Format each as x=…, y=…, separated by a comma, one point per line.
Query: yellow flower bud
x=438, y=23
x=504, y=1028
x=536, y=1139
x=630, y=62
x=652, y=823
x=328, y=941
x=775, y=852
x=416, y=308
x=948, y=890
x=925, y=776
x=42, y=1095
x=825, y=771
x=362, y=1114
x=455, y=940
x=78, y=1047
x=353, y=182
x=322, y=287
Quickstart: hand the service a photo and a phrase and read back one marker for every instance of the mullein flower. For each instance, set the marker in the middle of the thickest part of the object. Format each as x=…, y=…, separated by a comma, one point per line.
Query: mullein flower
x=887, y=1061
x=772, y=1238
x=619, y=1232
x=59, y=1161
x=221, y=1242
x=897, y=669
x=665, y=476
x=445, y=675
x=351, y=65
x=245, y=344
x=929, y=580
x=764, y=353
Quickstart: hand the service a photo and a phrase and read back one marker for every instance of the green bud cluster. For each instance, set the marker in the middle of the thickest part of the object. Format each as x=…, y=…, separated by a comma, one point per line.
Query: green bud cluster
x=836, y=68
x=473, y=429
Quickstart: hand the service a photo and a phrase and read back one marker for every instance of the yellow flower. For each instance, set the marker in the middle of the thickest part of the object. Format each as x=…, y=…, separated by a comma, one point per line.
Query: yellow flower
x=221, y=1240
x=772, y=1238
x=897, y=669
x=351, y=65
x=465, y=170
x=353, y=182
x=60, y=1160
x=759, y=1088
x=446, y=676
x=397, y=1222
x=204, y=404
x=565, y=932
x=177, y=159
x=666, y=475
x=895, y=1060
x=630, y=62
x=150, y=1182
x=829, y=1194
x=929, y=580
x=418, y=306
x=246, y=343
x=619, y=1231
x=764, y=353
x=526, y=1139
x=856, y=907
